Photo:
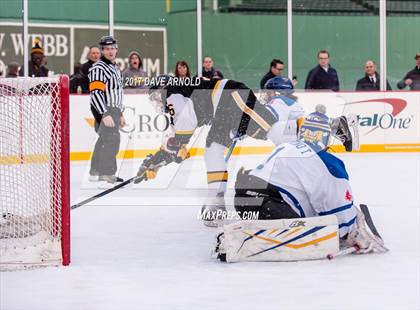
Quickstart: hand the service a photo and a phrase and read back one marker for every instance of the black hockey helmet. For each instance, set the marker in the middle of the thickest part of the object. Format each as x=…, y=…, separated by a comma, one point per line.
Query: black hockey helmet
x=108, y=40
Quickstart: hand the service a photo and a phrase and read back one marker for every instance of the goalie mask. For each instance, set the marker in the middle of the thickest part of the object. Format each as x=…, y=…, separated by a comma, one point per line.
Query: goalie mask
x=316, y=131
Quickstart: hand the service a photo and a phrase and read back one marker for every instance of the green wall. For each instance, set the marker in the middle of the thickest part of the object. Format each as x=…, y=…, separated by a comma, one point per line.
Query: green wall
x=143, y=12
x=243, y=45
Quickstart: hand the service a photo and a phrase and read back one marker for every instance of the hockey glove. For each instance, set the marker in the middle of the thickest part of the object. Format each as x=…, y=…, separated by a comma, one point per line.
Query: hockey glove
x=173, y=152
x=365, y=240
x=178, y=150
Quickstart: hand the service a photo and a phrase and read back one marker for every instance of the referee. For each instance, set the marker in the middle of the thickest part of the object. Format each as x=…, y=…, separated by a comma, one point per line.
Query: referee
x=106, y=94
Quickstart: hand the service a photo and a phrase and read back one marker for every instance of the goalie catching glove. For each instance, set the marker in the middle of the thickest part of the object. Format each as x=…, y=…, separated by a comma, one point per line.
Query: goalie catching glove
x=174, y=151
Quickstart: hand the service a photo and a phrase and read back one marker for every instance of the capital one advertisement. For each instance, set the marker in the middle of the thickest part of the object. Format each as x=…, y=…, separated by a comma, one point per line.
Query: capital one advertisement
x=387, y=122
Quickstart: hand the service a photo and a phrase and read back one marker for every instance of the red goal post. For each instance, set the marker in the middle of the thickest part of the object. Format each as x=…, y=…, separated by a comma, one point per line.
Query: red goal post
x=34, y=172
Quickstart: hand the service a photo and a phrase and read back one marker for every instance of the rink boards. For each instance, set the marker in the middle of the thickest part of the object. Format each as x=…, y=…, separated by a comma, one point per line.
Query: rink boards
x=388, y=122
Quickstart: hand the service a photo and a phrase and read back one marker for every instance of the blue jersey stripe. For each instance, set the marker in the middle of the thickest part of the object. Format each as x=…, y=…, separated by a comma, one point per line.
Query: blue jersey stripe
x=279, y=148
x=349, y=223
x=293, y=199
x=288, y=101
x=336, y=210
x=276, y=115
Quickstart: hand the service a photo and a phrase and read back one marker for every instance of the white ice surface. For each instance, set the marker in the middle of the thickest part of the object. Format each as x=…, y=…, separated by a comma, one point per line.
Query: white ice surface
x=145, y=249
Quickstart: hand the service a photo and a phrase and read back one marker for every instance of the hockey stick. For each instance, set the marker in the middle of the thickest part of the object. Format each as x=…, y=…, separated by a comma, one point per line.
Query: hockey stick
x=136, y=179
x=106, y=192
x=230, y=150
x=112, y=189
x=379, y=243
x=369, y=221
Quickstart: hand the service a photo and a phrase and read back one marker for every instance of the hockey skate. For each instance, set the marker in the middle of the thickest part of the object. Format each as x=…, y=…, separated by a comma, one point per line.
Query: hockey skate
x=345, y=129
x=108, y=181
x=93, y=176
x=214, y=211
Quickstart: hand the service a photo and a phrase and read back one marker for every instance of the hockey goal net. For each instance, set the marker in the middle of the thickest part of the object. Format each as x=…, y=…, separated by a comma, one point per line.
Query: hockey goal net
x=34, y=172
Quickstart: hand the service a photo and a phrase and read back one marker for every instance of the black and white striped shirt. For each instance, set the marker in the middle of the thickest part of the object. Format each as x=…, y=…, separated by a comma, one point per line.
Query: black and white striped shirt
x=105, y=86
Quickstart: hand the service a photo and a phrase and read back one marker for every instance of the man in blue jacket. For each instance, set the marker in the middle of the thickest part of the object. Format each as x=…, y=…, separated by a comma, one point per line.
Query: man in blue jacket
x=323, y=76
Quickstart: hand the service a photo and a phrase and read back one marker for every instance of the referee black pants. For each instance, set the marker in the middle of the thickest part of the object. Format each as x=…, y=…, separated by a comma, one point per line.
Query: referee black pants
x=104, y=160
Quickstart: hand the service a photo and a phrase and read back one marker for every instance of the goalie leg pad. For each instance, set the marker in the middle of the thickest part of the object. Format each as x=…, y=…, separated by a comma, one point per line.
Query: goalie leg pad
x=279, y=240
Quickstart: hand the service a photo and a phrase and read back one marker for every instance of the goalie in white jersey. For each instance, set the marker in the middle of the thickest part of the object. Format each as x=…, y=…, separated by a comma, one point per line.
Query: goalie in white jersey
x=302, y=180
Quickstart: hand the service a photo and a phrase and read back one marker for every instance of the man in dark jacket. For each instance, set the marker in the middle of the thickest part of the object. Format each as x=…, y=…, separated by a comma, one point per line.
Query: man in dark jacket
x=276, y=68
x=94, y=55
x=412, y=78
x=323, y=76
x=371, y=80
x=76, y=79
x=35, y=67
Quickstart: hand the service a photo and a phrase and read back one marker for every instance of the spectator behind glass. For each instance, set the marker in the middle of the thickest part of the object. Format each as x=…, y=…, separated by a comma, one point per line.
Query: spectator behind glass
x=12, y=70
x=133, y=76
x=276, y=68
x=412, y=78
x=371, y=80
x=76, y=79
x=182, y=69
x=35, y=67
x=323, y=76
x=208, y=71
x=93, y=56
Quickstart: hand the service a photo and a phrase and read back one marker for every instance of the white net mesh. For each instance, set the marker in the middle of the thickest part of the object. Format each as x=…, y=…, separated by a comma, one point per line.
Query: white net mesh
x=30, y=175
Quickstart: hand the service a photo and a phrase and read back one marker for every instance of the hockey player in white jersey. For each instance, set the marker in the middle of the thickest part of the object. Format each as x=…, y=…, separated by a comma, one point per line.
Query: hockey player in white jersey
x=302, y=179
x=284, y=107
x=280, y=100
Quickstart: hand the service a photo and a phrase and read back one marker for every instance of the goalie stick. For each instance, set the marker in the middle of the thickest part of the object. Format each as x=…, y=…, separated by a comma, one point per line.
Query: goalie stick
x=369, y=221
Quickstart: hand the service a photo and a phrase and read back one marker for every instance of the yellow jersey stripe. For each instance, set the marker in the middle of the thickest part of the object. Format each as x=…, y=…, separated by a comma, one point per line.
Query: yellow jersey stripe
x=184, y=132
x=218, y=176
x=254, y=115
